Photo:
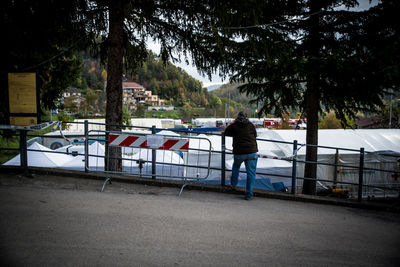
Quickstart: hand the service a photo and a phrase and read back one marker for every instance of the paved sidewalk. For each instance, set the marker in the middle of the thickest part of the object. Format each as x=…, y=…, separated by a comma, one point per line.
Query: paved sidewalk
x=63, y=221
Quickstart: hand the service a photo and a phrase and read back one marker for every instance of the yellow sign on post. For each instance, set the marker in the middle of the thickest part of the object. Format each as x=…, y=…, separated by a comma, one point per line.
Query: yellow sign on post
x=22, y=96
x=23, y=121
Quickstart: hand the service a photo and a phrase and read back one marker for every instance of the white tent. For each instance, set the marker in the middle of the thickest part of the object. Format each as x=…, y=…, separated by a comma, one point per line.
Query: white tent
x=78, y=162
x=142, y=122
x=266, y=168
x=70, y=149
x=168, y=163
x=41, y=158
x=210, y=122
x=198, y=157
x=130, y=162
x=168, y=132
x=372, y=140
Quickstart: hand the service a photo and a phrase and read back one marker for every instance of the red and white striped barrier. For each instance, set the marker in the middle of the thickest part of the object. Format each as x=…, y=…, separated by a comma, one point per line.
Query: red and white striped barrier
x=148, y=141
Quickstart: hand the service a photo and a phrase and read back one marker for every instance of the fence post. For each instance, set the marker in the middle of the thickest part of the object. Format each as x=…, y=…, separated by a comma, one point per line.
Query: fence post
x=23, y=152
x=223, y=158
x=86, y=146
x=361, y=174
x=294, y=168
x=153, y=156
x=336, y=168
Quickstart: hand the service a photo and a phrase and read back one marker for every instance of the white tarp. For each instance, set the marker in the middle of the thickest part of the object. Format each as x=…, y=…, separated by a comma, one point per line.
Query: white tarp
x=130, y=163
x=168, y=163
x=41, y=158
x=200, y=158
x=141, y=122
x=212, y=122
x=168, y=132
x=372, y=140
x=78, y=162
x=267, y=168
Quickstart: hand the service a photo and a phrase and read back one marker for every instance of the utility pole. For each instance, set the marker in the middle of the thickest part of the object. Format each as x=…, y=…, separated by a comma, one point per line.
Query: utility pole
x=390, y=109
x=229, y=106
x=225, y=114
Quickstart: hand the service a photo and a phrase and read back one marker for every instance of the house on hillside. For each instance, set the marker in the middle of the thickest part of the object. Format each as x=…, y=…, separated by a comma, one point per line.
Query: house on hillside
x=72, y=96
x=134, y=93
x=72, y=91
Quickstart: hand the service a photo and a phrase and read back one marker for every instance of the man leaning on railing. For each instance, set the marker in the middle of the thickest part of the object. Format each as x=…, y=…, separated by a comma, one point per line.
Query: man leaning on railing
x=244, y=150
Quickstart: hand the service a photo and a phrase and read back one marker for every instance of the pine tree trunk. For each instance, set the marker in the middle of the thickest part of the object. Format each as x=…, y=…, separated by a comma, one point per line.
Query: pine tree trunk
x=312, y=106
x=114, y=80
x=312, y=101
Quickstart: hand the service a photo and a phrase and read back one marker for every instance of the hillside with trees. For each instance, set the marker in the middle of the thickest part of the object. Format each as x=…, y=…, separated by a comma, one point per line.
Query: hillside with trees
x=163, y=79
x=231, y=89
x=236, y=101
x=169, y=82
x=93, y=74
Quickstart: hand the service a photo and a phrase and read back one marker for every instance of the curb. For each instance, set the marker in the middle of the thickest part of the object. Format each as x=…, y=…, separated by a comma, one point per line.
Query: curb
x=206, y=187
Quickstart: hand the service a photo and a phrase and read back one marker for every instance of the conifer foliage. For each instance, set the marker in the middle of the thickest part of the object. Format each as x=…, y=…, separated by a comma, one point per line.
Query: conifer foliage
x=309, y=54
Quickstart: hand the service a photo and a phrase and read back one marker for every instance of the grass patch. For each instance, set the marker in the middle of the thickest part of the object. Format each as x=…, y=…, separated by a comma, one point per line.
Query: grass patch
x=168, y=114
x=8, y=140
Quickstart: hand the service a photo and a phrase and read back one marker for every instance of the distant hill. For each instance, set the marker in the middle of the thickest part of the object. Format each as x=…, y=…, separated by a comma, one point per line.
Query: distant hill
x=213, y=87
x=230, y=90
x=229, y=94
x=165, y=80
x=170, y=82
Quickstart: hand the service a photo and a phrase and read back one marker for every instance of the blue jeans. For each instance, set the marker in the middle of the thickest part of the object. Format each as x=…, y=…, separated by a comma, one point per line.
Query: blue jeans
x=250, y=161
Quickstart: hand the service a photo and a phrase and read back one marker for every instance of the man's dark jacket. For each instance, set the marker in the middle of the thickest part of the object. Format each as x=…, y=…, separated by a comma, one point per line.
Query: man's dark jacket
x=244, y=137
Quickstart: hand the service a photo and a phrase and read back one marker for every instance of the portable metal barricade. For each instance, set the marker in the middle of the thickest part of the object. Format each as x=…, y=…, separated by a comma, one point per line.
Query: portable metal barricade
x=157, y=156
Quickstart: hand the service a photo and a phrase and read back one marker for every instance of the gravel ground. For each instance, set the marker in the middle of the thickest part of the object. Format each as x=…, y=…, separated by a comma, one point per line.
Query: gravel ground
x=65, y=221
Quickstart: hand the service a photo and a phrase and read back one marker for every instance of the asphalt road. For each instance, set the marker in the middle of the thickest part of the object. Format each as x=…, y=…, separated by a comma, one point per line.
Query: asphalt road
x=58, y=221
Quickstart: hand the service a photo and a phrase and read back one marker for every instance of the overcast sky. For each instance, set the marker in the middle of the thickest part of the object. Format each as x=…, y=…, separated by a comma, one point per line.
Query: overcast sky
x=192, y=70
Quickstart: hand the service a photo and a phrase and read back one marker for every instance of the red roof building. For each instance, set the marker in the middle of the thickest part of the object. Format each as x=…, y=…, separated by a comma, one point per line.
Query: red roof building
x=134, y=93
x=132, y=85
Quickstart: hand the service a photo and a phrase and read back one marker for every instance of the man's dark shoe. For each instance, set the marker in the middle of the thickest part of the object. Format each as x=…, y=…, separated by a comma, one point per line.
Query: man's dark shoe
x=232, y=187
x=248, y=198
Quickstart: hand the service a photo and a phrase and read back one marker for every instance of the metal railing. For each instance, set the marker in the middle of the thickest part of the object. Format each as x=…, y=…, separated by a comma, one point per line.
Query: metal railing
x=170, y=158
x=221, y=155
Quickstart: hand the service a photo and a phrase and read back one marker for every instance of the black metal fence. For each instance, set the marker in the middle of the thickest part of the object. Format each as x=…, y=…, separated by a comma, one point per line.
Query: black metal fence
x=220, y=154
